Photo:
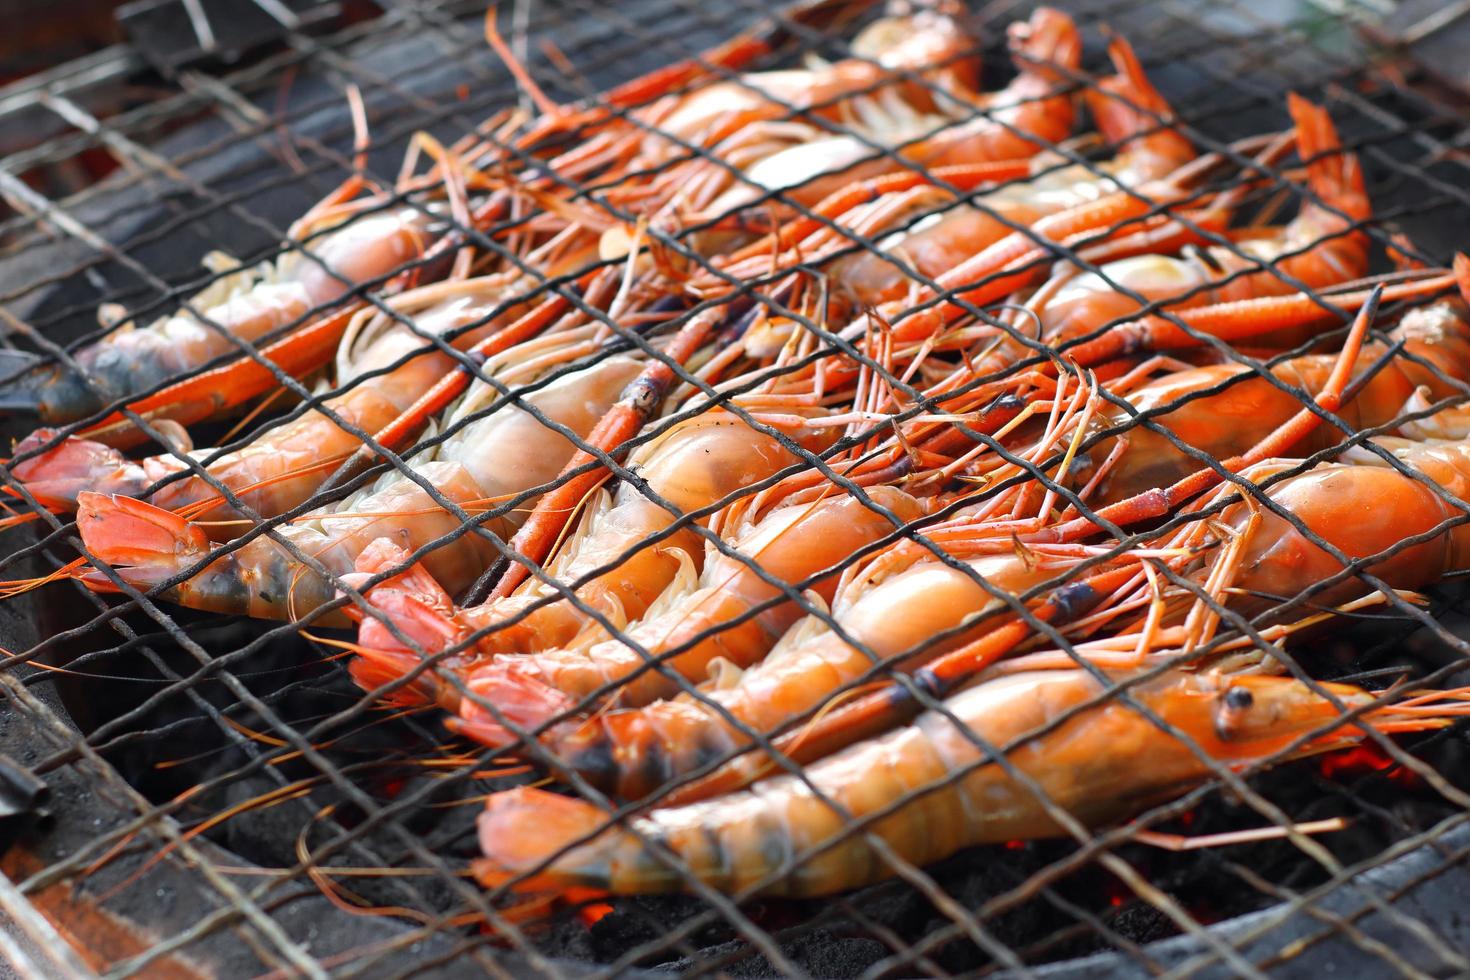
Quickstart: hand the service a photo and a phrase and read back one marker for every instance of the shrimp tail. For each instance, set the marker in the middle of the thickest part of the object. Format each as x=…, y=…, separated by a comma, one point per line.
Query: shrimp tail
x=520, y=696
x=56, y=476
x=1047, y=45
x=412, y=600
x=1334, y=175
x=374, y=668
x=144, y=544
x=523, y=828
x=1127, y=107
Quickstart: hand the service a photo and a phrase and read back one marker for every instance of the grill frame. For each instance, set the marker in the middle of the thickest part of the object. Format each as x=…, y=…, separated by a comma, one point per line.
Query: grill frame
x=166, y=617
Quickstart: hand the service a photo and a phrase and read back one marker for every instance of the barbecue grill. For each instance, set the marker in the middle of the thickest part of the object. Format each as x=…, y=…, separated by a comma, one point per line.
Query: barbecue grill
x=183, y=794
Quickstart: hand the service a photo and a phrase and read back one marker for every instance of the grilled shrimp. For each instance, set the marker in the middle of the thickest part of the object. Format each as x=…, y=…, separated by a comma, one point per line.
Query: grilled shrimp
x=671, y=738
x=283, y=466
x=696, y=463
x=1398, y=523
x=792, y=545
x=1363, y=508
x=1265, y=552
x=487, y=462
x=699, y=462
x=1034, y=111
x=929, y=43
x=371, y=245
x=247, y=303
x=798, y=542
x=1080, y=305
x=1128, y=111
x=631, y=751
x=1104, y=761
x=1436, y=347
x=1320, y=247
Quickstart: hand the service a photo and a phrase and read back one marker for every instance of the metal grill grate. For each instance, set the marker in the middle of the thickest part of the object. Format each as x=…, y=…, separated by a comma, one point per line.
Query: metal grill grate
x=229, y=789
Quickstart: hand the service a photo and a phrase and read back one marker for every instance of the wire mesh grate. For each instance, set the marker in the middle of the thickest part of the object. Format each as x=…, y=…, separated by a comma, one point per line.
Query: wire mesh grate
x=259, y=810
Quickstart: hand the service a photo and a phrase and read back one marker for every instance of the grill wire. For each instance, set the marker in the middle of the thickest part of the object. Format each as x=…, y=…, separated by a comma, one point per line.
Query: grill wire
x=236, y=686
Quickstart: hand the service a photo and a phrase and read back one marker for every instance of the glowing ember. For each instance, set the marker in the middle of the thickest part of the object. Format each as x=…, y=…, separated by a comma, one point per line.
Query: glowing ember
x=1363, y=759
x=589, y=909
x=593, y=914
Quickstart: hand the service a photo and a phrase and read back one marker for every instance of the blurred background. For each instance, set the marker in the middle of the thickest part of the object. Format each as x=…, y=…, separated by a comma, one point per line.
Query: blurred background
x=111, y=56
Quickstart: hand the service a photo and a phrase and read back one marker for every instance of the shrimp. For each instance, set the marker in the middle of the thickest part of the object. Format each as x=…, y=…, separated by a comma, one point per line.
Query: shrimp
x=1393, y=522
x=1325, y=243
x=692, y=465
x=792, y=544
x=384, y=369
x=1320, y=247
x=912, y=65
x=1364, y=509
x=1077, y=305
x=929, y=789
x=600, y=123
x=1264, y=555
x=245, y=304
x=692, y=633
x=629, y=752
x=877, y=616
x=483, y=464
x=671, y=154
x=928, y=42
x=1147, y=150
x=698, y=462
x=1399, y=523
x=1033, y=112
x=1436, y=351
x=369, y=246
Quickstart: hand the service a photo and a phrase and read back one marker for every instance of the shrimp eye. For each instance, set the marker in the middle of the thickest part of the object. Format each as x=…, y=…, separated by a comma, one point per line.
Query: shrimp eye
x=1235, y=706
x=1239, y=699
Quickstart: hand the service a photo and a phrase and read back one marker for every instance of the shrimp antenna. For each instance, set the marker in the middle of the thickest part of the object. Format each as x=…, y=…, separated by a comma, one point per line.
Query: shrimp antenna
x=518, y=71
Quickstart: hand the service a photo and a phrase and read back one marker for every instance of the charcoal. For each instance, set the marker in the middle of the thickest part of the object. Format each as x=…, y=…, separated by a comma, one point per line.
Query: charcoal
x=1139, y=923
